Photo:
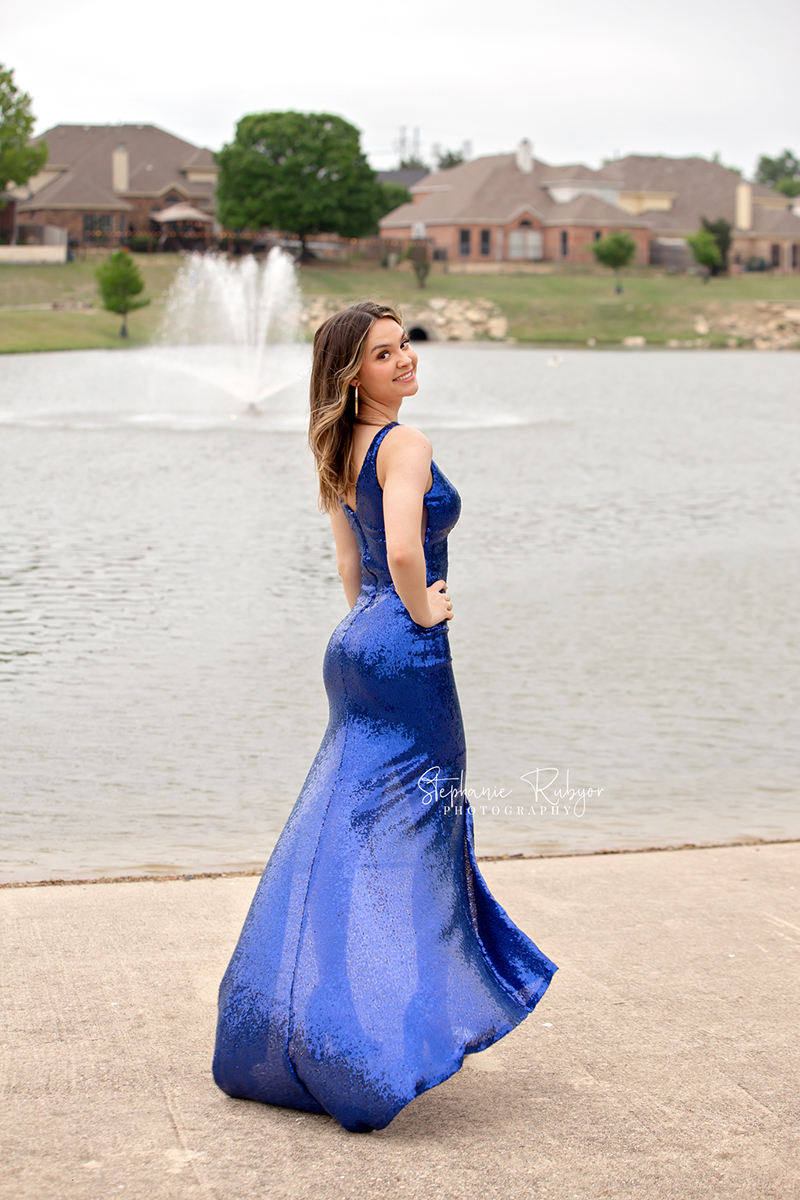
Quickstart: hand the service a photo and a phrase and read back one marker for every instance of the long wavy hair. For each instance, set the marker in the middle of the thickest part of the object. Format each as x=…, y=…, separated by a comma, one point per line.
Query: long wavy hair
x=338, y=354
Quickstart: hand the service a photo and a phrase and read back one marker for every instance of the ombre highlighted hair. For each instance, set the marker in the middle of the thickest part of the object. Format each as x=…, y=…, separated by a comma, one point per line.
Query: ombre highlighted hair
x=339, y=346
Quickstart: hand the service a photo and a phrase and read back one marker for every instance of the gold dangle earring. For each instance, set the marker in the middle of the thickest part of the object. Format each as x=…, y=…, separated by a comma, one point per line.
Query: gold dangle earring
x=356, y=387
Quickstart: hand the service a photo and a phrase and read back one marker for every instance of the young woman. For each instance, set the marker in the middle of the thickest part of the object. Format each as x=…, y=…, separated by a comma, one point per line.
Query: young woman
x=374, y=957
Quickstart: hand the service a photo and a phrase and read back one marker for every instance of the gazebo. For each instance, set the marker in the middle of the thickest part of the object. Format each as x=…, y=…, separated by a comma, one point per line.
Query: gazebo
x=183, y=222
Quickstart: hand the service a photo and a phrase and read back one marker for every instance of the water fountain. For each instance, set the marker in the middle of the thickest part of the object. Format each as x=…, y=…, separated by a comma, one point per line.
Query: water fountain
x=234, y=327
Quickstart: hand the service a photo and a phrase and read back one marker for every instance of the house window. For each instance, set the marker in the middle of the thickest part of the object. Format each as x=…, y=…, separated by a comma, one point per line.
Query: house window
x=486, y=241
x=597, y=235
x=464, y=242
x=96, y=228
x=525, y=224
x=564, y=243
x=795, y=256
x=94, y=224
x=775, y=251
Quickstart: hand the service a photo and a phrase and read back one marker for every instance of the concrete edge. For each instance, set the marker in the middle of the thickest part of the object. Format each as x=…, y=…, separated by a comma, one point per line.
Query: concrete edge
x=755, y=841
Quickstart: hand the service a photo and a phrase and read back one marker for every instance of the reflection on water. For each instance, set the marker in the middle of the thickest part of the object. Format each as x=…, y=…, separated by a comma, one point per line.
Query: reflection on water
x=625, y=578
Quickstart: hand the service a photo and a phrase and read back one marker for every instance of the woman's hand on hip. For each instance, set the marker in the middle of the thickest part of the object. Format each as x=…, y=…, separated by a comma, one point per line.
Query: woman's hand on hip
x=440, y=604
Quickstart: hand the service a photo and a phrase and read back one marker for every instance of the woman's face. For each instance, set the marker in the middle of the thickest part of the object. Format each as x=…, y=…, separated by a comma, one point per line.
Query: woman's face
x=389, y=370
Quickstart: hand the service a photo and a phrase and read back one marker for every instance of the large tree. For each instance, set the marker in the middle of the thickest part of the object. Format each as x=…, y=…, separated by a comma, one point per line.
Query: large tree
x=782, y=173
x=303, y=173
x=18, y=159
x=392, y=196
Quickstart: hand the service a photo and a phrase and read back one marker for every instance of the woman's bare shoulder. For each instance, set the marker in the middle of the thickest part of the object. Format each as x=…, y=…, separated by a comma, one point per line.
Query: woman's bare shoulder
x=408, y=454
x=405, y=439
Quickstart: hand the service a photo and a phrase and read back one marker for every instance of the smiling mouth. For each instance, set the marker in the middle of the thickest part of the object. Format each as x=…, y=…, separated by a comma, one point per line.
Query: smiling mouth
x=404, y=378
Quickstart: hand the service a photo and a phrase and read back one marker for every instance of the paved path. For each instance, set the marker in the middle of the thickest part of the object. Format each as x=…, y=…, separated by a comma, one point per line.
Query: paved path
x=663, y=1062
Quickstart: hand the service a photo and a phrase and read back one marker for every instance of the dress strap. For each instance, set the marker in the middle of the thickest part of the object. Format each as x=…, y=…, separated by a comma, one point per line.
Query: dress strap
x=372, y=453
x=379, y=436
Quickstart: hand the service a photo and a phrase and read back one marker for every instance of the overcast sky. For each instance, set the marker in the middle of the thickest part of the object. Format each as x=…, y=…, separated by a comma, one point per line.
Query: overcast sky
x=583, y=80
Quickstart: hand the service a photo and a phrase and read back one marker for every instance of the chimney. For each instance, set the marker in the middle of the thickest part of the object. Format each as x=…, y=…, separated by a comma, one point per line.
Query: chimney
x=744, y=206
x=120, y=169
x=525, y=157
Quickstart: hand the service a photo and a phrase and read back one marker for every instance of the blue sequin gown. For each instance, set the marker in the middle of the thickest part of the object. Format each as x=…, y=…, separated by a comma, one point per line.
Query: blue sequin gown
x=374, y=957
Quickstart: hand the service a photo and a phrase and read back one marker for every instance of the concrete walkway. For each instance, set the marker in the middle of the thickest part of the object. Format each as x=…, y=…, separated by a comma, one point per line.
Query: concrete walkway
x=663, y=1061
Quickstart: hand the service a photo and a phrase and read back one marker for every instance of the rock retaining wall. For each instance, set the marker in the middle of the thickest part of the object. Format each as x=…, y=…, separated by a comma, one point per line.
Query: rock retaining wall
x=766, y=326
x=435, y=320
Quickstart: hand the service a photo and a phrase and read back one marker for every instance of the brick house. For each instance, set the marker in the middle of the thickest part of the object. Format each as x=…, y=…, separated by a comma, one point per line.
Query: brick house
x=102, y=182
x=514, y=208
x=674, y=194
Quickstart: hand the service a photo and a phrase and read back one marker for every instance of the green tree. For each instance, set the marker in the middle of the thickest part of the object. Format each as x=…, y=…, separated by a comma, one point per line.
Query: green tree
x=705, y=249
x=18, y=159
x=615, y=250
x=448, y=159
x=721, y=231
x=120, y=282
x=412, y=163
x=303, y=173
x=781, y=173
x=392, y=196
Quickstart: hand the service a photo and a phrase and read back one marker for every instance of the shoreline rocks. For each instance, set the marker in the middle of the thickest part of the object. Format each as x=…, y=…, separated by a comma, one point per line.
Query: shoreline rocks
x=437, y=319
x=767, y=325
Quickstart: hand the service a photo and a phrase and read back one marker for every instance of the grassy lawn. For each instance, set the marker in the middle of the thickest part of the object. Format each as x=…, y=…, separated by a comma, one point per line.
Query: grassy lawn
x=564, y=308
x=27, y=331
x=74, y=284
x=76, y=281
x=571, y=308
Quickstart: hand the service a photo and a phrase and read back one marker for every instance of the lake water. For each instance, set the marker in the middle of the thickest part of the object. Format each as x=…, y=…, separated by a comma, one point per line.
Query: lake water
x=625, y=578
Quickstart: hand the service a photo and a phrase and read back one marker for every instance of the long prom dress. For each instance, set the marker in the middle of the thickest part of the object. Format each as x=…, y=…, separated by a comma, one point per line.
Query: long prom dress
x=374, y=957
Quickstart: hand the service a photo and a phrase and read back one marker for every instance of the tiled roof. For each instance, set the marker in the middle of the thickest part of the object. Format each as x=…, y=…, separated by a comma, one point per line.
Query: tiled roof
x=701, y=189
x=773, y=220
x=157, y=160
x=405, y=176
x=591, y=210
x=493, y=189
x=575, y=173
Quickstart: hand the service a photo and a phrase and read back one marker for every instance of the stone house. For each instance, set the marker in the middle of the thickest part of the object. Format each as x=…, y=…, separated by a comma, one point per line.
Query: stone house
x=513, y=207
x=103, y=183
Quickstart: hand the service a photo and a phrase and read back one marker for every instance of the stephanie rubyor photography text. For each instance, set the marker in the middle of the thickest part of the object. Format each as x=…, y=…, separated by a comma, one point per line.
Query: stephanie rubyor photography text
x=547, y=798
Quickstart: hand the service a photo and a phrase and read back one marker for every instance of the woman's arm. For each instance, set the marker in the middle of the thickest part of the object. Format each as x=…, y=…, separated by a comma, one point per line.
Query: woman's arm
x=404, y=457
x=348, y=559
